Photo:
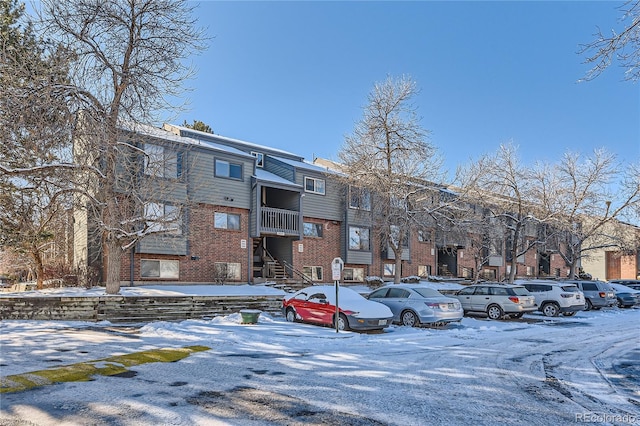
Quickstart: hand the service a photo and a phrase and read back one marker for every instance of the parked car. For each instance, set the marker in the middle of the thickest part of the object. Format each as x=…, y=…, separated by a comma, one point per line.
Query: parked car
x=634, y=284
x=497, y=300
x=554, y=298
x=597, y=294
x=415, y=304
x=627, y=296
x=317, y=305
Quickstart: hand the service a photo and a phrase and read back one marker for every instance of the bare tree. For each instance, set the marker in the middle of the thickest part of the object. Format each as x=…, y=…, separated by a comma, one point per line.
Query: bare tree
x=622, y=45
x=130, y=61
x=389, y=157
x=593, y=194
x=507, y=190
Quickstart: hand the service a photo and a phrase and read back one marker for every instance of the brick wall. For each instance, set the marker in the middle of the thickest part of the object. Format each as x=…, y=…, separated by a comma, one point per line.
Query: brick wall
x=318, y=251
x=207, y=245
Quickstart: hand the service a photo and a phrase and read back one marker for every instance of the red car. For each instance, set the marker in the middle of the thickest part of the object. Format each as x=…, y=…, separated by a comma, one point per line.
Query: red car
x=317, y=305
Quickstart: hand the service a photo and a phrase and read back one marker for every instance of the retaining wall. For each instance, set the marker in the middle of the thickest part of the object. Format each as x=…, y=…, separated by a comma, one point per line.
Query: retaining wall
x=132, y=309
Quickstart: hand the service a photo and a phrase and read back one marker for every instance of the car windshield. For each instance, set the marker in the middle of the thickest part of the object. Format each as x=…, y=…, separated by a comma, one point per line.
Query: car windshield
x=427, y=292
x=520, y=291
x=570, y=288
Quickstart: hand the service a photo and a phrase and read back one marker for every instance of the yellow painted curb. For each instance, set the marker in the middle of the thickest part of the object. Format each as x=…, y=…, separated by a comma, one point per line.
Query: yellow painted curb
x=83, y=371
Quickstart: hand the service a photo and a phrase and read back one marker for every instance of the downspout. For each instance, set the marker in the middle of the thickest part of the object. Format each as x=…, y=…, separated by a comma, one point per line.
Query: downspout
x=131, y=268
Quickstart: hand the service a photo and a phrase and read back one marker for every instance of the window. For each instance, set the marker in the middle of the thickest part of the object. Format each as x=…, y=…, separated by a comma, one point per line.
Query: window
x=359, y=238
x=160, y=269
x=227, y=271
x=379, y=294
x=160, y=162
x=259, y=158
x=314, y=185
x=396, y=235
x=398, y=293
x=226, y=221
x=353, y=274
x=467, y=273
x=499, y=291
x=489, y=274
x=312, y=229
x=359, y=198
x=467, y=291
x=318, y=298
x=313, y=272
x=389, y=269
x=424, y=270
x=228, y=170
x=424, y=236
x=162, y=217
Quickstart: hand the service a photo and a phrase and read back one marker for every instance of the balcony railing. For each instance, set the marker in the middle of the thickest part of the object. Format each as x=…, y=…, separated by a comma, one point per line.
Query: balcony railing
x=279, y=221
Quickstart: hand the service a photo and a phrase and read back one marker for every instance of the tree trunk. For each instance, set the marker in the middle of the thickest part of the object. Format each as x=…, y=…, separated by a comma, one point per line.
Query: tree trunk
x=573, y=268
x=112, y=263
x=37, y=258
x=512, y=272
x=398, y=271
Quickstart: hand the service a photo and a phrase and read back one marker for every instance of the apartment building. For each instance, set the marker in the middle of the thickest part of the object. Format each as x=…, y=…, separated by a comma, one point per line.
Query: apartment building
x=251, y=213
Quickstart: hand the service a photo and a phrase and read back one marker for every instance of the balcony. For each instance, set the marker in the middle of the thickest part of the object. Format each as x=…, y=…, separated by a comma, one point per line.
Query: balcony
x=279, y=222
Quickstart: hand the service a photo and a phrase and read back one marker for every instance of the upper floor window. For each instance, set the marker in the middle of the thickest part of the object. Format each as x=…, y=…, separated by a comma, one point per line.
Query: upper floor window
x=162, y=217
x=314, y=185
x=359, y=198
x=424, y=236
x=160, y=161
x=397, y=236
x=228, y=170
x=313, y=229
x=259, y=158
x=226, y=220
x=359, y=238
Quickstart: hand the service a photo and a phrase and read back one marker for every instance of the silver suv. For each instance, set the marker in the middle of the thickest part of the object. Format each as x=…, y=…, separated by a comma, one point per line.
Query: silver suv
x=554, y=298
x=496, y=300
x=597, y=294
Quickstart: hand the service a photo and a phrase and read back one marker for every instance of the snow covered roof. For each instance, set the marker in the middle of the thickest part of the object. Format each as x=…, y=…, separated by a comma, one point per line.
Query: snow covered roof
x=307, y=166
x=204, y=136
x=266, y=176
x=162, y=133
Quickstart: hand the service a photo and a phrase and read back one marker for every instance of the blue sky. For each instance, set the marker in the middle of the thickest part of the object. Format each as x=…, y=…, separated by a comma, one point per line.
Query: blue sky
x=295, y=75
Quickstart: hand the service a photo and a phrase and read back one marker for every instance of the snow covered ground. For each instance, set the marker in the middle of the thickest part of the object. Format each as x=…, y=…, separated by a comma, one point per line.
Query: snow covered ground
x=534, y=371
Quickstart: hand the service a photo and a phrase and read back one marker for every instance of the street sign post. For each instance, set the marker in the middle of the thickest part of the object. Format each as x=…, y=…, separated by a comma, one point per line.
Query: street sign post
x=336, y=273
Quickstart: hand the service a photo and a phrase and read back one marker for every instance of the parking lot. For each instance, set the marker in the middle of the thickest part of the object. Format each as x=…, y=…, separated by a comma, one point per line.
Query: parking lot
x=532, y=370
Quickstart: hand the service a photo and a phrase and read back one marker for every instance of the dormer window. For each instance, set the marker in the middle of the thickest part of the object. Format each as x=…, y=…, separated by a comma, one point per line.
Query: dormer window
x=259, y=158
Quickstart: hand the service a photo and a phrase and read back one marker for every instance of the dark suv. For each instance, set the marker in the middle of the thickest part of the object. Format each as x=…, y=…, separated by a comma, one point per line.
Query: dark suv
x=597, y=294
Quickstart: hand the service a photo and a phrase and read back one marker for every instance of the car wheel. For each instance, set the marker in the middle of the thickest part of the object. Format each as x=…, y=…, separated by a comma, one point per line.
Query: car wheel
x=550, y=309
x=409, y=319
x=290, y=315
x=494, y=312
x=343, y=324
x=568, y=314
x=588, y=305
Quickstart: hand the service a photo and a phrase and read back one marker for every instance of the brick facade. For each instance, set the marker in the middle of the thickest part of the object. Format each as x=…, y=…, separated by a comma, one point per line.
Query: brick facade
x=318, y=251
x=207, y=245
